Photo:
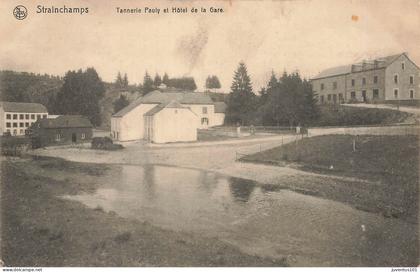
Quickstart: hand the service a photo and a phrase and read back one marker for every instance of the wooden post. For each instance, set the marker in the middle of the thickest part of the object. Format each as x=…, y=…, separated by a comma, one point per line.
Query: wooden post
x=354, y=145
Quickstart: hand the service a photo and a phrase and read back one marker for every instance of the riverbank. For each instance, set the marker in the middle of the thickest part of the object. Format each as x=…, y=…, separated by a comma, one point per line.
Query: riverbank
x=362, y=192
x=389, y=165
x=41, y=229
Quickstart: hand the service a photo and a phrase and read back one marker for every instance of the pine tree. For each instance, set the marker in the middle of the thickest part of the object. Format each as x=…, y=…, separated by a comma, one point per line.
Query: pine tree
x=165, y=79
x=120, y=103
x=119, y=81
x=241, y=104
x=212, y=82
x=158, y=80
x=125, y=81
x=147, y=84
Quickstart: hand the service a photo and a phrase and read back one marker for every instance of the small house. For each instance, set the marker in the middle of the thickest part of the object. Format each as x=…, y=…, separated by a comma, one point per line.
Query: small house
x=64, y=129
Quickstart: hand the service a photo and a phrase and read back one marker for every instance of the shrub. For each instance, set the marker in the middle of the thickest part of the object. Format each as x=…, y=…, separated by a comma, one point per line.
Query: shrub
x=105, y=143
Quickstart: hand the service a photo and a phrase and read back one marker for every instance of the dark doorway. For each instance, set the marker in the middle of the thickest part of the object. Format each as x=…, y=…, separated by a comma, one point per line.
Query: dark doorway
x=73, y=137
x=364, y=96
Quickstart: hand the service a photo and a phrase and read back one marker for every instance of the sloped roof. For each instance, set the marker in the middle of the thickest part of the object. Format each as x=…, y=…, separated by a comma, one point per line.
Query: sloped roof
x=128, y=108
x=334, y=71
x=172, y=104
x=23, y=107
x=182, y=97
x=220, y=107
x=65, y=121
x=346, y=69
x=158, y=97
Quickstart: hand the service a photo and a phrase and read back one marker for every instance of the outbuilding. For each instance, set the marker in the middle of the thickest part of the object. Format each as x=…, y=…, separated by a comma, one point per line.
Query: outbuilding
x=64, y=129
x=171, y=123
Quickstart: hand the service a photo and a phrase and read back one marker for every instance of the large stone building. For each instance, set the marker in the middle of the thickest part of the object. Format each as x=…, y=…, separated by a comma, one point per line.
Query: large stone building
x=129, y=124
x=391, y=78
x=16, y=118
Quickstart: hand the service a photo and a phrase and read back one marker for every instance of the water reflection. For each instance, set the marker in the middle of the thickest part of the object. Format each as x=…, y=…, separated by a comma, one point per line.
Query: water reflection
x=241, y=189
x=259, y=219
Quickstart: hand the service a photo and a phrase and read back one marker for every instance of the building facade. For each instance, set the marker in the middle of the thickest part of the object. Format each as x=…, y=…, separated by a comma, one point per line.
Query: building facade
x=392, y=78
x=129, y=123
x=16, y=118
x=64, y=129
x=170, y=123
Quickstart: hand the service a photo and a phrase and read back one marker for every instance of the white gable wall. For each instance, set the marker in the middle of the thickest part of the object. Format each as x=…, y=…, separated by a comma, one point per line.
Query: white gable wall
x=130, y=127
x=175, y=125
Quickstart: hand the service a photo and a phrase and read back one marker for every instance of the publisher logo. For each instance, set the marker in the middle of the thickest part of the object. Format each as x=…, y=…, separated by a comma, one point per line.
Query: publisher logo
x=20, y=12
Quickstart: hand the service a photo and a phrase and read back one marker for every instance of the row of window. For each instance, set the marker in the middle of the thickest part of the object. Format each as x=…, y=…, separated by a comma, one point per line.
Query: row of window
x=25, y=116
x=332, y=98
x=20, y=124
x=14, y=132
x=396, y=93
x=375, y=95
x=375, y=81
x=58, y=137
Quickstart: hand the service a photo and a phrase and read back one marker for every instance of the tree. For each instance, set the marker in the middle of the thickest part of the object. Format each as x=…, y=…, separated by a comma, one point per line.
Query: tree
x=165, y=79
x=288, y=101
x=120, y=103
x=119, y=81
x=147, y=84
x=241, y=104
x=157, y=80
x=212, y=82
x=125, y=81
x=80, y=95
x=183, y=83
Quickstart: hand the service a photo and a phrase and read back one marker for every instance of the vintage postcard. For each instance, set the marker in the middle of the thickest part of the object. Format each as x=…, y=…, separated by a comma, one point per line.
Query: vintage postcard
x=209, y=133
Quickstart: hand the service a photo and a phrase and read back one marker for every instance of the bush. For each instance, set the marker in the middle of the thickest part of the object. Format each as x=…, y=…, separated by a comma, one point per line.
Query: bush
x=14, y=146
x=105, y=143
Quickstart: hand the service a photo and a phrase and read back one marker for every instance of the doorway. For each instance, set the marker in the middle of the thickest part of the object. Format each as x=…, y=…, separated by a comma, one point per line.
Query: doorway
x=73, y=137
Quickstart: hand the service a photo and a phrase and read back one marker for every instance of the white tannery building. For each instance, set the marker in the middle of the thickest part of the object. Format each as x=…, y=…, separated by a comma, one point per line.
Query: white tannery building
x=16, y=118
x=163, y=117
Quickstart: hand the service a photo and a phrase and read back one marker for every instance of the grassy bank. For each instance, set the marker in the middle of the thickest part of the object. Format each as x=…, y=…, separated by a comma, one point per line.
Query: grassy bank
x=40, y=229
x=338, y=115
x=388, y=166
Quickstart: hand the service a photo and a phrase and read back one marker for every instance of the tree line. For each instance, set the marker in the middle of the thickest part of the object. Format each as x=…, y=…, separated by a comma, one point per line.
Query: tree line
x=285, y=101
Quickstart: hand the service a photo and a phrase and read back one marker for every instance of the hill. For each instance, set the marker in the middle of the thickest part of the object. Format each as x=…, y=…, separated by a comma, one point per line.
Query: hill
x=29, y=87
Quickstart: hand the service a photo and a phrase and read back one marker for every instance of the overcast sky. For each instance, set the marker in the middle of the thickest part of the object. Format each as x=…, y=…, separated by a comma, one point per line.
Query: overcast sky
x=269, y=35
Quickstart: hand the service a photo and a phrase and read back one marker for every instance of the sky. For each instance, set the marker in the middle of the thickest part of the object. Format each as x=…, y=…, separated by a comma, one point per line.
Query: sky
x=278, y=36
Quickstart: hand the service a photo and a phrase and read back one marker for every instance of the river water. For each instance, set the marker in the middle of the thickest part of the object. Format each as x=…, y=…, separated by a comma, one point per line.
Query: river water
x=260, y=220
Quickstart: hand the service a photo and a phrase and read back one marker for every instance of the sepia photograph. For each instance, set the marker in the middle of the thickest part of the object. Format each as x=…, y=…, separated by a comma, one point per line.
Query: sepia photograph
x=210, y=134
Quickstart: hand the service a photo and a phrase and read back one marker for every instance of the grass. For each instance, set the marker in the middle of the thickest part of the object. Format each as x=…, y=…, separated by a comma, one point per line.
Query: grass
x=338, y=115
x=388, y=164
x=40, y=229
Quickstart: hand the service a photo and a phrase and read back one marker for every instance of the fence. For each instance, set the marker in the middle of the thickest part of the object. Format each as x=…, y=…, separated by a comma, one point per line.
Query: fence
x=382, y=130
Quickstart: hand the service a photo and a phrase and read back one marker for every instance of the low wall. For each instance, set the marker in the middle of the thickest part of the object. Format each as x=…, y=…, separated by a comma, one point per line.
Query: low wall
x=387, y=130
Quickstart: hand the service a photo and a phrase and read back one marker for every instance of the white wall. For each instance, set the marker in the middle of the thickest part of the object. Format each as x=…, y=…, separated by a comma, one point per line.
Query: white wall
x=19, y=130
x=175, y=125
x=218, y=119
x=198, y=110
x=2, y=121
x=131, y=126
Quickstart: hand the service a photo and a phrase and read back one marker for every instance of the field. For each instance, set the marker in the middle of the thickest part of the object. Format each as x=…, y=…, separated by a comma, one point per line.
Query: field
x=41, y=229
x=387, y=167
